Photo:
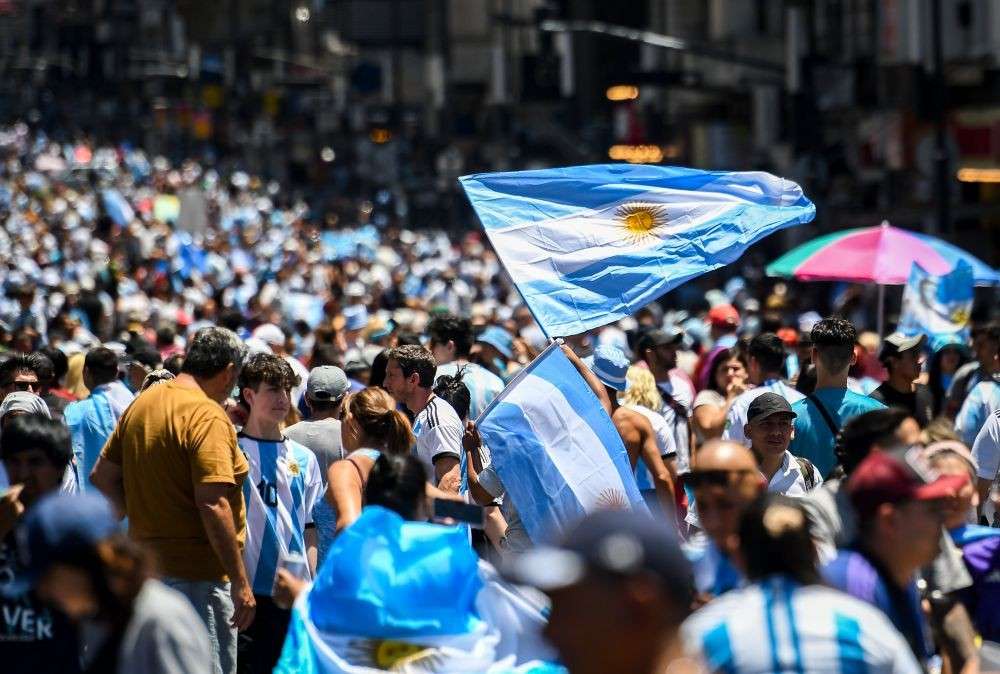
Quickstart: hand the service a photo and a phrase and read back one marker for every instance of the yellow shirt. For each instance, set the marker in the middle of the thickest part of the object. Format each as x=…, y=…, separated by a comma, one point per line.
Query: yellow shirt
x=170, y=439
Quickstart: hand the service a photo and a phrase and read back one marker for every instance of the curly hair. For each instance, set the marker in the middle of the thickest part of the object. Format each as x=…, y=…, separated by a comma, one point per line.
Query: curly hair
x=266, y=368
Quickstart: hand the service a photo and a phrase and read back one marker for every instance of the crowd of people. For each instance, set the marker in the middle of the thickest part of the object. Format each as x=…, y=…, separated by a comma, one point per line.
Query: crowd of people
x=214, y=409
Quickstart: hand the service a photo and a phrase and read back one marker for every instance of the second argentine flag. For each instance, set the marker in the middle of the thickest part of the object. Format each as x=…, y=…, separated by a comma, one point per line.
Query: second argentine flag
x=556, y=450
x=589, y=245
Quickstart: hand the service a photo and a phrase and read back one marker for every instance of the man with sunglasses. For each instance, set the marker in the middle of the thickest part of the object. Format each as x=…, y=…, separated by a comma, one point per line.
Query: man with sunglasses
x=20, y=373
x=725, y=481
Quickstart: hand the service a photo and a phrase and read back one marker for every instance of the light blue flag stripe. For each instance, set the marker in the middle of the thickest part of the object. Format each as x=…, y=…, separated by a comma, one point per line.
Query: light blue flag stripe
x=555, y=448
x=588, y=245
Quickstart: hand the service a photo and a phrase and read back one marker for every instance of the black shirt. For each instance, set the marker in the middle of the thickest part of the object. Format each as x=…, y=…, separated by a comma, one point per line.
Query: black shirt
x=919, y=403
x=33, y=637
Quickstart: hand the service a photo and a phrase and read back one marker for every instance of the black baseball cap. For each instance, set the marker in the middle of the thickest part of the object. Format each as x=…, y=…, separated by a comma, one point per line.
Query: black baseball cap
x=766, y=405
x=654, y=338
x=614, y=542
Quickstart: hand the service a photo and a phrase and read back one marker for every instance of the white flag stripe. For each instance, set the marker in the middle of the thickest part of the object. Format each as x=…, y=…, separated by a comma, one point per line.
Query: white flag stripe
x=531, y=250
x=569, y=440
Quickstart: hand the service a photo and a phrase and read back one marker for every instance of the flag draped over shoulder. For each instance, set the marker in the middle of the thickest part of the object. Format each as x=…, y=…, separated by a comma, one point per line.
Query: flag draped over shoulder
x=555, y=448
x=938, y=305
x=588, y=245
x=406, y=596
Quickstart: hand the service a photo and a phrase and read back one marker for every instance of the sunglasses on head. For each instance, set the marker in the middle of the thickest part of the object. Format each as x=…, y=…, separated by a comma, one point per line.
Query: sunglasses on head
x=713, y=478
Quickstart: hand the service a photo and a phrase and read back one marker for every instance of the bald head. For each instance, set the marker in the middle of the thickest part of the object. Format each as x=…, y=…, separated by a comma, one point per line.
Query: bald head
x=724, y=455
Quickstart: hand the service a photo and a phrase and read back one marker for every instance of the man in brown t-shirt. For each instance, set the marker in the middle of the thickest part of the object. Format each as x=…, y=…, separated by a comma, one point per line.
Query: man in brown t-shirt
x=173, y=467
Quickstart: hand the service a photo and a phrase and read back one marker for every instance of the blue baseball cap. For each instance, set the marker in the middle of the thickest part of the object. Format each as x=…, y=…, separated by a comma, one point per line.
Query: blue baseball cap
x=499, y=339
x=59, y=528
x=610, y=365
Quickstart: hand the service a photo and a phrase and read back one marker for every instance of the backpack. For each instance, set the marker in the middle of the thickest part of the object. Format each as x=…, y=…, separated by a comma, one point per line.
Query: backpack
x=808, y=472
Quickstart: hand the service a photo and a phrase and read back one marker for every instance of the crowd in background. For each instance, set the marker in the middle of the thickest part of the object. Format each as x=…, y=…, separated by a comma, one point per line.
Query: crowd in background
x=244, y=382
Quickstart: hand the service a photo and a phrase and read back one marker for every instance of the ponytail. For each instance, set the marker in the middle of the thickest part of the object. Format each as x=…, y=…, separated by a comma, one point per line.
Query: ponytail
x=399, y=436
x=385, y=427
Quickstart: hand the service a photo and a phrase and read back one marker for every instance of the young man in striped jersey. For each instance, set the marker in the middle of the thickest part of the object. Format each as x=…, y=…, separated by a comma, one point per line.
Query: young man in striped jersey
x=283, y=486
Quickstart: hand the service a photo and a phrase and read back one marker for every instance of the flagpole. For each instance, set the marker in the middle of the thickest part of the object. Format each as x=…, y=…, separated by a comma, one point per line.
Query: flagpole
x=880, y=321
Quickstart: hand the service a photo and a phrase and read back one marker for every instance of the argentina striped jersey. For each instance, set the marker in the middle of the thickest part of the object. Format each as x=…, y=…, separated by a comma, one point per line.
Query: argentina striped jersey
x=280, y=491
x=777, y=625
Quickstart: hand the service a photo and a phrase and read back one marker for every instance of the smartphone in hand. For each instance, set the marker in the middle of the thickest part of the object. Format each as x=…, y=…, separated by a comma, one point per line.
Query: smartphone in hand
x=458, y=512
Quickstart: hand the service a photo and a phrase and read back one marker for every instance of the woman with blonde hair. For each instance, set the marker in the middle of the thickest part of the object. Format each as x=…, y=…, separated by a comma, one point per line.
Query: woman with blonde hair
x=370, y=425
x=643, y=397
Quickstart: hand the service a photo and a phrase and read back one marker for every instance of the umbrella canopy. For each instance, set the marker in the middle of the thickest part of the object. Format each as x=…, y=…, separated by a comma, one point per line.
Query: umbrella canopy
x=882, y=254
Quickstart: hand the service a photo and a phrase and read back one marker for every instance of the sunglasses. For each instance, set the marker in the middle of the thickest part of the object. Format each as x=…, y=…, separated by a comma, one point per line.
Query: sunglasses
x=22, y=385
x=714, y=478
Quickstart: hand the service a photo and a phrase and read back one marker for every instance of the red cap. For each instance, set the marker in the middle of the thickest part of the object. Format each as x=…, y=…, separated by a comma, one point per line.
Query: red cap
x=788, y=336
x=899, y=475
x=724, y=315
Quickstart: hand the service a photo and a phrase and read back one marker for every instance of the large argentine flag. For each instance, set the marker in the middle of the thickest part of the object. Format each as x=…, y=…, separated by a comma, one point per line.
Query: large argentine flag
x=589, y=245
x=555, y=448
x=412, y=597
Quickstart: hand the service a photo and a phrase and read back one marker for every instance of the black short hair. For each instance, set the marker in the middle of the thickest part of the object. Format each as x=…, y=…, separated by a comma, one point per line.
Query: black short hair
x=769, y=351
x=211, y=351
x=60, y=363
x=991, y=330
x=231, y=319
x=454, y=391
x=398, y=483
x=20, y=362
x=407, y=338
x=37, y=431
x=450, y=328
x=148, y=357
x=102, y=364
x=413, y=358
x=775, y=538
x=267, y=368
x=165, y=335
x=174, y=364
x=855, y=440
x=834, y=339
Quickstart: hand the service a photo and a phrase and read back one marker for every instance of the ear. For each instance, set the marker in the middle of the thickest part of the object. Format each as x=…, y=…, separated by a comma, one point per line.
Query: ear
x=746, y=430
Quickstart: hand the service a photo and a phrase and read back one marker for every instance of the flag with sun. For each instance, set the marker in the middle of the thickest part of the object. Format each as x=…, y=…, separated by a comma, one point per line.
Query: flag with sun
x=401, y=596
x=588, y=245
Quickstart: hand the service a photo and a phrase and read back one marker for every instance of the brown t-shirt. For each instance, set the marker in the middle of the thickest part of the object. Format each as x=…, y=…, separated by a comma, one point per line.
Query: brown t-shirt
x=171, y=438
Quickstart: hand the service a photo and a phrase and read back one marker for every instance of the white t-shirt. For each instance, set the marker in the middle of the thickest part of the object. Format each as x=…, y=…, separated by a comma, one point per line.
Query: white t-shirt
x=789, y=479
x=439, y=433
x=737, y=416
x=303, y=373
x=986, y=448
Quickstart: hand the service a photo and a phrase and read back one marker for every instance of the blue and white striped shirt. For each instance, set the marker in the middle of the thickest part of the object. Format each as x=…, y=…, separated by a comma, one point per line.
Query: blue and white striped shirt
x=281, y=491
x=777, y=625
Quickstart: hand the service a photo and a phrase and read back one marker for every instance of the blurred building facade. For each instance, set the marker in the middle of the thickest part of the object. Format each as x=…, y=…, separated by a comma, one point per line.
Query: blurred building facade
x=880, y=108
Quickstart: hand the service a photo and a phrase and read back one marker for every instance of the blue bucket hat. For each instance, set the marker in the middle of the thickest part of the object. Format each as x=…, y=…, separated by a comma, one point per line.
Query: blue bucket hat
x=499, y=339
x=610, y=365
